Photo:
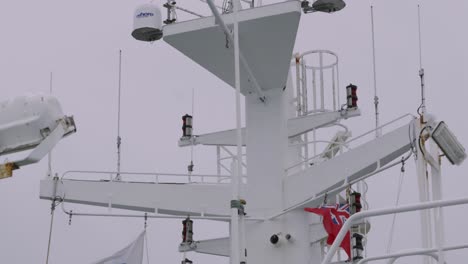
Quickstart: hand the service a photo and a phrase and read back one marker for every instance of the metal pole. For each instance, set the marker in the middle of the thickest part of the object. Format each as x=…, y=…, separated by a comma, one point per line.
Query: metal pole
x=334, y=88
x=376, y=97
x=49, y=156
x=237, y=169
x=438, y=213
x=305, y=106
x=421, y=69
x=322, y=89
x=52, y=212
x=424, y=195
x=119, y=139
x=385, y=211
x=298, y=86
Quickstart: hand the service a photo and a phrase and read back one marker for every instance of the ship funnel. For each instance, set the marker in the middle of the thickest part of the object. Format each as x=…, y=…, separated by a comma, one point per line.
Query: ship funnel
x=147, y=23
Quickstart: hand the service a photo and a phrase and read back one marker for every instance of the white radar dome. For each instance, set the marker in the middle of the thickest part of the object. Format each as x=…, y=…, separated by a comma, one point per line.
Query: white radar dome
x=147, y=23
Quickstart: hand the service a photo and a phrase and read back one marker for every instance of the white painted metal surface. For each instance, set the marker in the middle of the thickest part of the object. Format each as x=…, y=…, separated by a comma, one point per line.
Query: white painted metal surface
x=207, y=199
x=207, y=45
x=26, y=121
x=345, y=169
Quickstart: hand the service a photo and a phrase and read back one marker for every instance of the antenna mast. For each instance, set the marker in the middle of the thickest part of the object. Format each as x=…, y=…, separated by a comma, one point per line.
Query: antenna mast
x=422, y=107
x=119, y=139
x=49, y=156
x=376, y=97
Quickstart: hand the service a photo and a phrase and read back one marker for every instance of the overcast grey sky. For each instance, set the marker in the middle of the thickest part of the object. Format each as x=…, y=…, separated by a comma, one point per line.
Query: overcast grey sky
x=79, y=41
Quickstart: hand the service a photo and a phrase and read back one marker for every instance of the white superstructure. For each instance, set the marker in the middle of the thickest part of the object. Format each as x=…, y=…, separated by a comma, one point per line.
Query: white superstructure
x=283, y=168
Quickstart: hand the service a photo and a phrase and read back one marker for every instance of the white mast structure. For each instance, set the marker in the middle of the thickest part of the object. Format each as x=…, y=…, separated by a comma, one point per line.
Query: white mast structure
x=264, y=205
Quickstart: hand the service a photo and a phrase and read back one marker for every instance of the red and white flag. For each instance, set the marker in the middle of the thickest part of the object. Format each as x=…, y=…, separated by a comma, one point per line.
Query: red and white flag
x=334, y=217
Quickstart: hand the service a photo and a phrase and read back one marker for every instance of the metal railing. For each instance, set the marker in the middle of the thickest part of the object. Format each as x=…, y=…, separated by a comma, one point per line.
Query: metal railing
x=431, y=252
x=354, y=140
x=386, y=211
x=148, y=177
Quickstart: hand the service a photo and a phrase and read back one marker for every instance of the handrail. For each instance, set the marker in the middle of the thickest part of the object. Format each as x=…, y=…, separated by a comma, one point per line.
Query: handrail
x=385, y=211
x=155, y=174
x=141, y=173
x=342, y=144
x=424, y=251
x=354, y=139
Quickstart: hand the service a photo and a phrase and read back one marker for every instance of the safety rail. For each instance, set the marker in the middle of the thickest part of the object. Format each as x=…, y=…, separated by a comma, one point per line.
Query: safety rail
x=150, y=177
x=327, y=69
x=354, y=140
x=386, y=211
x=431, y=252
x=313, y=84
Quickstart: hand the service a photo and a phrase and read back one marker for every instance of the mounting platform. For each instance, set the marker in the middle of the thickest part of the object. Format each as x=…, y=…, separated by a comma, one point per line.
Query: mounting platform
x=267, y=35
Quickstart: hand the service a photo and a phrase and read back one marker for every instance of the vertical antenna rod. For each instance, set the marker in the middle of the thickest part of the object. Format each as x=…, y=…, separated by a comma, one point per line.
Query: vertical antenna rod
x=49, y=156
x=376, y=97
x=421, y=70
x=119, y=139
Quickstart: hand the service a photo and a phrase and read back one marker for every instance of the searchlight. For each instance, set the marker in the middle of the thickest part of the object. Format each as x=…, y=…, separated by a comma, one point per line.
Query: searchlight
x=449, y=144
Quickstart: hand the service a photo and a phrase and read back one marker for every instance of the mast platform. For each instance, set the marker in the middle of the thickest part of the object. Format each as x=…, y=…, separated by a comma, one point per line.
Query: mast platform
x=267, y=35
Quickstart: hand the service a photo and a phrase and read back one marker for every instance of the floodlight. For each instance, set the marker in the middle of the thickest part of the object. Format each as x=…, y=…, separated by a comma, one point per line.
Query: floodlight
x=147, y=23
x=31, y=123
x=449, y=144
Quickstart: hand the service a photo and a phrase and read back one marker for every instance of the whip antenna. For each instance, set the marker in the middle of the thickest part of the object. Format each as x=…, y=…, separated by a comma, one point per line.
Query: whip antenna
x=422, y=107
x=119, y=139
x=376, y=97
x=49, y=156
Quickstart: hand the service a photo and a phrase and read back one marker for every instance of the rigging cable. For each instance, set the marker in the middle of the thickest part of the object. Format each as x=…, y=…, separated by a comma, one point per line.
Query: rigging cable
x=400, y=184
x=119, y=139
x=376, y=97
